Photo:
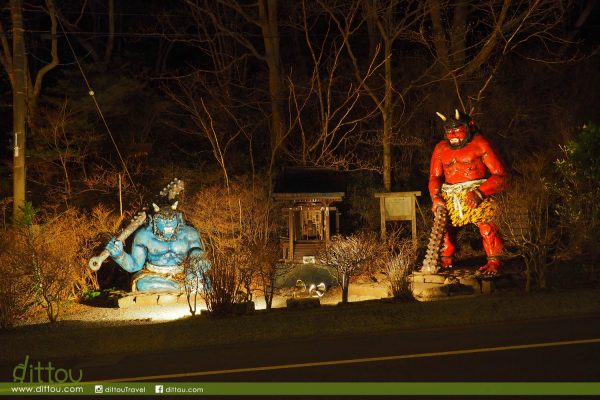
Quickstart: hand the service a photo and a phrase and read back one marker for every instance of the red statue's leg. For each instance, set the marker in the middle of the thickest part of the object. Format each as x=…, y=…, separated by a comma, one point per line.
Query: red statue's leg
x=493, y=245
x=448, y=246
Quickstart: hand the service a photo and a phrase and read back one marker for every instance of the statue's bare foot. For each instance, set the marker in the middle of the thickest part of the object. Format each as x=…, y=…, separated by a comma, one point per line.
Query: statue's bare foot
x=491, y=268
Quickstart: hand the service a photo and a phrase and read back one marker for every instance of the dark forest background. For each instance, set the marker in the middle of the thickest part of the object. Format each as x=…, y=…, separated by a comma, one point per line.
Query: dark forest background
x=195, y=88
x=218, y=92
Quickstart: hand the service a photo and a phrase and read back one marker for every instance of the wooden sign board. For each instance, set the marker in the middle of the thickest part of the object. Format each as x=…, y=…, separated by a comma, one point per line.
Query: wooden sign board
x=398, y=206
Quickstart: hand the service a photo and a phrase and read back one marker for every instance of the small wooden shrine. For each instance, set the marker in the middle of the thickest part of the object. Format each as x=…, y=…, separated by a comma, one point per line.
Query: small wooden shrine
x=309, y=198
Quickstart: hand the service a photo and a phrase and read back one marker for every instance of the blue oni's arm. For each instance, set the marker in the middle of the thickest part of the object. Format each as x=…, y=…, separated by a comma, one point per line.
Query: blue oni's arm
x=129, y=262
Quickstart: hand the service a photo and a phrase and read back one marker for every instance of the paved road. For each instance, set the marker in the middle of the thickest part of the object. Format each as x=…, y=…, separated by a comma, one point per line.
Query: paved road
x=540, y=350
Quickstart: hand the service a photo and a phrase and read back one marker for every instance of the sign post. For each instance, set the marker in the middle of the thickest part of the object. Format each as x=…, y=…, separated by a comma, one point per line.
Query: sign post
x=398, y=206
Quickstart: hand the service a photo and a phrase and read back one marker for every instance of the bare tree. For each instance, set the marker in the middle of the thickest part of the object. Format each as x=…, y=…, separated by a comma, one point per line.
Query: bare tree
x=99, y=50
x=380, y=85
x=65, y=152
x=470, y=40
x=327, y=109
x=261, y=16
x=260, y=233
x=387, y=22
x=351, y=256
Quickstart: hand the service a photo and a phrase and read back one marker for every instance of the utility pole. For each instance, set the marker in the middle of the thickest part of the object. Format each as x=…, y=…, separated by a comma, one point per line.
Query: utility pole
x=19, y=68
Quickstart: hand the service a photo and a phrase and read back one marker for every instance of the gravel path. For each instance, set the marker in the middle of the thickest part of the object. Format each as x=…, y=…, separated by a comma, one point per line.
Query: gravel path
x=82, y=315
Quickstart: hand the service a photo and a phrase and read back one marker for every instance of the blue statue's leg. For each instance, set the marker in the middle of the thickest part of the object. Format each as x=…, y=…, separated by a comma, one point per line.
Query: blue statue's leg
x=157, y=283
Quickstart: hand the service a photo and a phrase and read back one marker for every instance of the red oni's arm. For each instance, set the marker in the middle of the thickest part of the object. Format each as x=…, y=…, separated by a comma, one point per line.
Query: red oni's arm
x=436, y=172
x=497, y=181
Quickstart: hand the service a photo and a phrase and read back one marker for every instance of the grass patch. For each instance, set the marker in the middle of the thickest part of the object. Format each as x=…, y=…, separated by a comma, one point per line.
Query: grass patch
x=89, y=340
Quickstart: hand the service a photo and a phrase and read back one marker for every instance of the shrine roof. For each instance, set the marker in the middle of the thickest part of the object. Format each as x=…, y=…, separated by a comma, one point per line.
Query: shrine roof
x=321, y=183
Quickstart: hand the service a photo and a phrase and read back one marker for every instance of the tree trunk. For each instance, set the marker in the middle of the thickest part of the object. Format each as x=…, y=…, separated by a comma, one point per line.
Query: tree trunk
x=387, y=119
x=370, y=7
x=34, y=89
x=345, y=288
x=19, y=68
x=270, y=31
x=458, y=34
x=269, y=296
x=111, y=32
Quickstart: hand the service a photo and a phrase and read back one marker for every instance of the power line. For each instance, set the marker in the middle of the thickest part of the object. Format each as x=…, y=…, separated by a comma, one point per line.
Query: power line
x=105, y=13
x=122, y=34
x=61, y=64
x=92, y=94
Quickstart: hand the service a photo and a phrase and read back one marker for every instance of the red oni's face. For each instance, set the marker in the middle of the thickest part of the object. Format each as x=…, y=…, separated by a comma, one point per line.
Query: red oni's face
x=456, y=135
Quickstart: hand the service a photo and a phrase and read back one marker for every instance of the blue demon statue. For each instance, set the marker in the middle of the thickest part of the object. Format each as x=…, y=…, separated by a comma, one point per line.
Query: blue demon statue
x=165, y=253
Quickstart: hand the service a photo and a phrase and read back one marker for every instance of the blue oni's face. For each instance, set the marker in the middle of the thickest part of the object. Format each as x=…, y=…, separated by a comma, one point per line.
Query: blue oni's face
x=166, y=225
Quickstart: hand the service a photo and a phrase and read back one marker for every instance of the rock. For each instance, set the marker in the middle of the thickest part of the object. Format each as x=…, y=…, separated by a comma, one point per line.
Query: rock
x=437, y=291
x=416, y=276
x=450, y=279
x=296, y=304
x=487, y=286
x=246, y=307
x=150, y=299
x=434, y=278
x=471, y=282
x=126, y=302
x=167, y=298
x=137, y=299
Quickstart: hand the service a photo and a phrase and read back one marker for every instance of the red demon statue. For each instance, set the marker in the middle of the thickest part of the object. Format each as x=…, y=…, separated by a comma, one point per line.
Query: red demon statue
x=465, y=171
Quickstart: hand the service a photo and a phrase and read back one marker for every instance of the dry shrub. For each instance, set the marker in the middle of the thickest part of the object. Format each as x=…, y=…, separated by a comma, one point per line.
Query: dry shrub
x=5, y=206
x=16, y=295
x=398, y=264
x=266, y=256
x=525, y=219
x=46, y=262
x=225, y=282
x=236, y=229
x=351, y=256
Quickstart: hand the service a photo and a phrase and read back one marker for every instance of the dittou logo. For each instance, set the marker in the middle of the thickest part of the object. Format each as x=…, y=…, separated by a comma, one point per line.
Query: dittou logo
x=38, y=372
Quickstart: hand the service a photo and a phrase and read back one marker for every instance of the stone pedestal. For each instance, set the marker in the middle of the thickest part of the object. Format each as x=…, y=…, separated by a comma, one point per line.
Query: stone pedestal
x=458, y=282
x=133, y=299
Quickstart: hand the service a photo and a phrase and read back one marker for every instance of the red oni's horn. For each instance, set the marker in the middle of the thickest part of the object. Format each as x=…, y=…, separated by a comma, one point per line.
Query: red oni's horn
x=442, y=116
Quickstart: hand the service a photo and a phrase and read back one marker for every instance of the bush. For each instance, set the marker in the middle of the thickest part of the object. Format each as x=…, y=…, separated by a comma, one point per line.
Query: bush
x=351, y=256
x=224, y=283
x=44, y=261
x=526, y=221
x=399, y=262
x=236, y=224
x=577, y=187
x=15, y=288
